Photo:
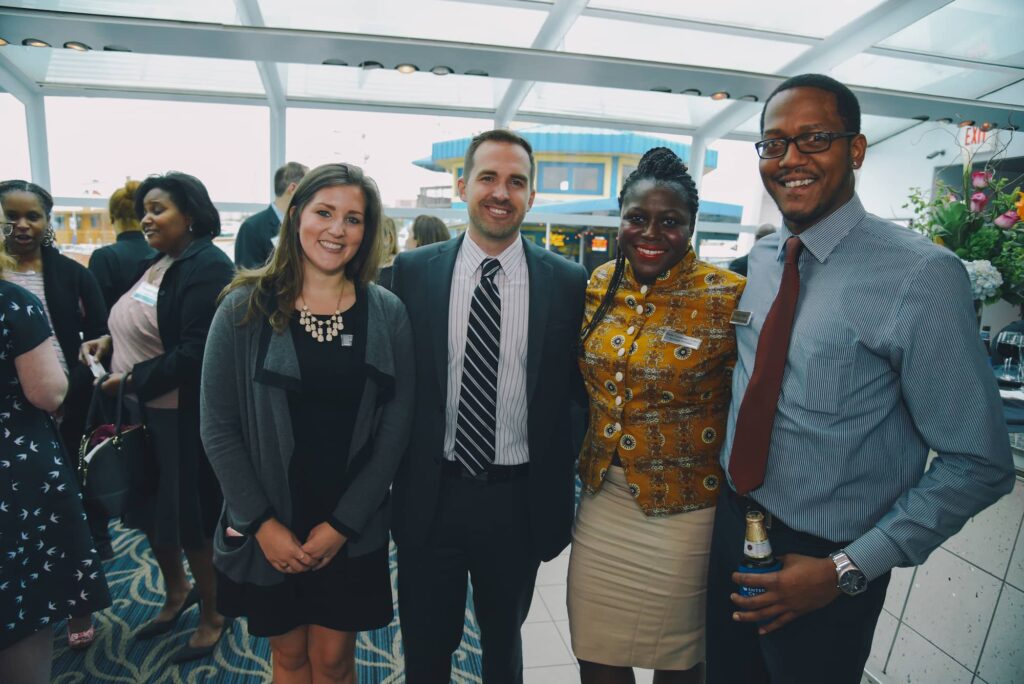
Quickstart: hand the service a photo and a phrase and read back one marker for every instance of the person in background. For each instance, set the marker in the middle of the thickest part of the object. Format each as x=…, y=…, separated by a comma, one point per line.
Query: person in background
x=838, y=395
x=649, y=465
x=158, y=332
x=257, y=236
x=74, y=309
x=48, y=565
x=307, y=400
x=115, y=265
x=389, y=250
x=426, y=230
x=739, y=264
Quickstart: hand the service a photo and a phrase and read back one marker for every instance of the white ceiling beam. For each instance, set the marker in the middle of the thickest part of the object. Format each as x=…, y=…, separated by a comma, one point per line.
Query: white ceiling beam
x=29, y=94
x=273, y=86
x=560, y=19
x=871, y=27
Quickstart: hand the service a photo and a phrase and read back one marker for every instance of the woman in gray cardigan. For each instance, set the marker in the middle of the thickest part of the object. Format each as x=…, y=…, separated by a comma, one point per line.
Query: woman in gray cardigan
x=306, y=406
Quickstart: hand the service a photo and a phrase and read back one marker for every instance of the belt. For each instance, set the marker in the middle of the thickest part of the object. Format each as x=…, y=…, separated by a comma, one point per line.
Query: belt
x=747, y=504
x=493, y=474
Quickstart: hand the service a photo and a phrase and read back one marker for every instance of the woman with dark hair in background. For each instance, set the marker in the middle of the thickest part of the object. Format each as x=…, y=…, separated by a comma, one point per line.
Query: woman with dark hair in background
x=657, y=353
x=306, y=407
x=389, y=250
x=115, y=265
x=158, y=333
x=426, y=230
x=74, y=309
x=48, y=565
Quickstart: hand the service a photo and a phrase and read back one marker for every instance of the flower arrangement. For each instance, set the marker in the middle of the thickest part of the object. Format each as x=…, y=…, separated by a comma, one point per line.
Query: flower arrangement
x=983, y=222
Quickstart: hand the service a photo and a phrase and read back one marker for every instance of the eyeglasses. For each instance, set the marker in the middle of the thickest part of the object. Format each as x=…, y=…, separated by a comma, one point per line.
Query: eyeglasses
x=808, y=143
x=6, y=228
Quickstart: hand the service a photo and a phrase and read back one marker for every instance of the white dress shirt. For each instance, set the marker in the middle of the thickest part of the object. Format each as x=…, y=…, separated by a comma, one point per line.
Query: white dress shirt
x=513, y=283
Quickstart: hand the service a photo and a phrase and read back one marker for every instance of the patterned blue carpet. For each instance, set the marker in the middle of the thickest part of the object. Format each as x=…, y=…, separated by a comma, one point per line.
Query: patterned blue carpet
x=137, y=592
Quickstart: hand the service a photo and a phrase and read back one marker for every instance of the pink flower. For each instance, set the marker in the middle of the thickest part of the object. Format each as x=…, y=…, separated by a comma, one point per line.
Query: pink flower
x=978, y=201
x=980, y=179
x=1007, y=219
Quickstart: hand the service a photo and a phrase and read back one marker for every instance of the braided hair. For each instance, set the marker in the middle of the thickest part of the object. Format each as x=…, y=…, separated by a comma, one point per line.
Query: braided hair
x=664, y=167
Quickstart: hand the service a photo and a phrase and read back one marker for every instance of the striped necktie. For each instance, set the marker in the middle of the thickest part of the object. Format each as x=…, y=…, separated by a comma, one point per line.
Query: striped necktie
x=475, y=424
x=753, y=434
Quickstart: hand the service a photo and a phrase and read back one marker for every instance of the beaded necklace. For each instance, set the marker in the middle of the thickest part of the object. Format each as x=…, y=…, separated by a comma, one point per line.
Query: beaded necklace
x=322, y=330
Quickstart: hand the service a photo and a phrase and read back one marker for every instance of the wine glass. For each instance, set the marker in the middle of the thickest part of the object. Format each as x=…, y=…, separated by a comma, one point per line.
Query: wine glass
x=1009, y=345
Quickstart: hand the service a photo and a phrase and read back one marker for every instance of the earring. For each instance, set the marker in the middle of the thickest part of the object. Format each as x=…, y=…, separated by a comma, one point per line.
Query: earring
x=49, y=237
x=190, y=228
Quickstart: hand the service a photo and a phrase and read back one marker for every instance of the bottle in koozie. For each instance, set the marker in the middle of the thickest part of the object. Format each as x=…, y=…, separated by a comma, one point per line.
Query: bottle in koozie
x=757, y=552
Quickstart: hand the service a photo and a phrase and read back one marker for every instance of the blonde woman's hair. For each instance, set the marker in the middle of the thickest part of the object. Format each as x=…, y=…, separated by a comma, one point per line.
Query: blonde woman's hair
x=278, y=284
x=388, y=239
x=122, y=206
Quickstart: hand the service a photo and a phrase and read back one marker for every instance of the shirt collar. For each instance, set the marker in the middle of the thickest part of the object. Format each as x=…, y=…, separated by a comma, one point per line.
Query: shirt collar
x=277, y=212
x=823, y=237
x=511, y=259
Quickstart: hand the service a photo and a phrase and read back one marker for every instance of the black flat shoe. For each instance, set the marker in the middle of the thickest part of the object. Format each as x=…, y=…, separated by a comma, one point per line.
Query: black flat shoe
x=189, y=653
x=155, y=628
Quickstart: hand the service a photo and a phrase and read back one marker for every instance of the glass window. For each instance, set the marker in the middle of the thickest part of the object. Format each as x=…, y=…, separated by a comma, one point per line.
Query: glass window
x=587, y=178
x=554, y=177
x=804, y=17
x=96, y=143
x=978, y=30
x=580, y=178
x=466, y=22
x=627, y=169
x=14, y=159
x=211, y=11
x=1013, y=95
x=631, y=40
x=919, y=77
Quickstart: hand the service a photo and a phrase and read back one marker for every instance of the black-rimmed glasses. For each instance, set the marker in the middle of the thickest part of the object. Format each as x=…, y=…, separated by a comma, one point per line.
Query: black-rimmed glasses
x=6, y=228
x=807, y=143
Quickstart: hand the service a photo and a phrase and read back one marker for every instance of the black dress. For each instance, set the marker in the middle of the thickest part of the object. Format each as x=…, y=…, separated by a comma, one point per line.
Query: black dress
x=48, y=566
x=349, y=594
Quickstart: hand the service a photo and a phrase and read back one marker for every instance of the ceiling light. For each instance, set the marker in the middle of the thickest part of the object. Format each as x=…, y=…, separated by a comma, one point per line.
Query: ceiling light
x=661, y=89
x=747, y=98
x=1012, y=127
x=335, y=62
x=369, y=64
x=116, y=48
x=691, y=91
x=476, y=72
x=35, y=42
x=944, y=120
x=987, y=126
x=441, y=70
x=921, y=117
x=720, y=95
x=3, y=42
x=966, y=122
x=407, y=68
x=75, y=45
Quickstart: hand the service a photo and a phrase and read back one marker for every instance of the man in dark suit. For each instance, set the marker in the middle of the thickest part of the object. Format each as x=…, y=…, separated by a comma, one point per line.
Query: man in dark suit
x=257, y=235
x=739, y=264
x=486, y=487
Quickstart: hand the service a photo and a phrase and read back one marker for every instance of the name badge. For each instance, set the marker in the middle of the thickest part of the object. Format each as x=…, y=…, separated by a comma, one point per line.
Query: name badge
x=741, y=317
x=146, y=293
x=346, y=340
x=679, y=339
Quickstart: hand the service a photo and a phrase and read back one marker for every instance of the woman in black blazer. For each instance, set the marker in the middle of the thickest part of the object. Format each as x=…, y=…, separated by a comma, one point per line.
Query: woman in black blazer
x=158, y=336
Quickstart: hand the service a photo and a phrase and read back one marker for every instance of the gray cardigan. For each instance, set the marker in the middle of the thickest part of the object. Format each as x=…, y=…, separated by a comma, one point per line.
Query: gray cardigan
x=247, y=432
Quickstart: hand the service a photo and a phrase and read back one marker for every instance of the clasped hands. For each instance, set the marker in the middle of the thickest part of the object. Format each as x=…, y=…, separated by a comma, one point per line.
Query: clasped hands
x=97, y=350
x=286, y=554
x=804, y=584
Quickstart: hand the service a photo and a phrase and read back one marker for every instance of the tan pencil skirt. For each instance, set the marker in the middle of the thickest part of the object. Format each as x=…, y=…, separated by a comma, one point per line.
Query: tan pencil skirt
x=637, y=584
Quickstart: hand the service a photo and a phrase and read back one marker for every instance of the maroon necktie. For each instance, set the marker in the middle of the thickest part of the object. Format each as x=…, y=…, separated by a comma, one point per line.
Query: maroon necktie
x=753, y=434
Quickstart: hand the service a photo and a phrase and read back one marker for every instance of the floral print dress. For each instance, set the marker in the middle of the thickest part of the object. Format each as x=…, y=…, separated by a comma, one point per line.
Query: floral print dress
x=48, y=566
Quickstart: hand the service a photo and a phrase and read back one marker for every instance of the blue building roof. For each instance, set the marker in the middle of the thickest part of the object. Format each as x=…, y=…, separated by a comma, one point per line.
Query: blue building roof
x=732, y=212
x=572, y=140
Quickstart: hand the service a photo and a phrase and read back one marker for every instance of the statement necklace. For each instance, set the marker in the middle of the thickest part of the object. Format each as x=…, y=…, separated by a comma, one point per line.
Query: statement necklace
x=322, y=330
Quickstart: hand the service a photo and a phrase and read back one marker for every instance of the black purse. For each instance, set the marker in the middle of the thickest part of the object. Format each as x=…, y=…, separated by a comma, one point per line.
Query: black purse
x=115, y=461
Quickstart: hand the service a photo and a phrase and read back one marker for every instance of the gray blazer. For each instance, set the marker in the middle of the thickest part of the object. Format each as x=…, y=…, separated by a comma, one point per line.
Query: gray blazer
x=247, y=432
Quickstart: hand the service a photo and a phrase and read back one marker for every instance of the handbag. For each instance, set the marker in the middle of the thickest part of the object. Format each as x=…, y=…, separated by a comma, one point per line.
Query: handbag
x=115, y=462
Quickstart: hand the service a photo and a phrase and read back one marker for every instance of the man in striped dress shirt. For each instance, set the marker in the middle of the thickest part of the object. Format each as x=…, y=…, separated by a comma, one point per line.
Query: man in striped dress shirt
x=883, y=364
x=485, y=491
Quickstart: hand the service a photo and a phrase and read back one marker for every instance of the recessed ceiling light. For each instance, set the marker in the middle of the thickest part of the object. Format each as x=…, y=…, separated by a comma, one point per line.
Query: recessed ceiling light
x=476, y=72
x=987, y=126
x=335, y=62
x=692, y=91
x=944, y=120
x=75, y=45
x=921, y=117
x=966, y=122
x=661, y=89
x=407, y=68
x=720, y=95
x=116, y=48
x=747, y=98
x=369, y=64
x=35, y=42
x=441, y=70
x=3, y=41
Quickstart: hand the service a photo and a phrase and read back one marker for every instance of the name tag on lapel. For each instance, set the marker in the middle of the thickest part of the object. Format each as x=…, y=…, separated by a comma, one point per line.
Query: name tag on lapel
x=679, y=339
x=146, y=293
x=741, y=317
x=346, y=340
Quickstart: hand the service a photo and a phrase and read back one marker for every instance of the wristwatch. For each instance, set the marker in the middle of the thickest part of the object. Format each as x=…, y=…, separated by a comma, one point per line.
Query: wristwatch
x=851, y=581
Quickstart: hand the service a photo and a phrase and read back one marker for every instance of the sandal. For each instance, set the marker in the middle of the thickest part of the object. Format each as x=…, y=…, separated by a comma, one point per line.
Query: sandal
x=79, y=641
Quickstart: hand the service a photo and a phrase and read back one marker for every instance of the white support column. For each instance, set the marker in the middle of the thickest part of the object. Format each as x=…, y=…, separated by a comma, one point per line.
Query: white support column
x=547, y=236
x=20, y=86
x=278, y=140
x=698, y=150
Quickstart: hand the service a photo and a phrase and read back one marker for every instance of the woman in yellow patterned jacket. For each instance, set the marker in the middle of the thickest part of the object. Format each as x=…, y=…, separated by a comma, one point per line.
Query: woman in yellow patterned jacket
x=657, y=352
